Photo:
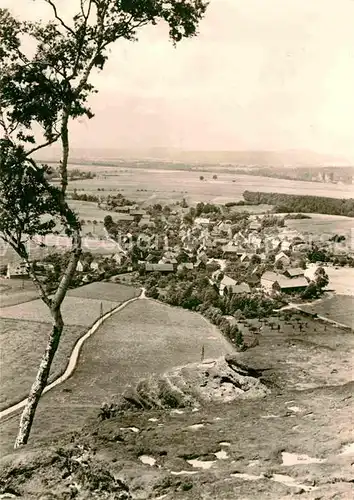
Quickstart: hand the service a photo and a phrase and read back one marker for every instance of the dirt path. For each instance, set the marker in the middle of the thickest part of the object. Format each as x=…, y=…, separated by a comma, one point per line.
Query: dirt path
x=74, y=355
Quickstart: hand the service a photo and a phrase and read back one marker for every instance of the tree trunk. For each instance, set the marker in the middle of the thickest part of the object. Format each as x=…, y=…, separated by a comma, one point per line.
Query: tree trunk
x=40, y=382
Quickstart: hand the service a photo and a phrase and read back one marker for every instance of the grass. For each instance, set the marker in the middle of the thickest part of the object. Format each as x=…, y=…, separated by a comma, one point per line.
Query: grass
x=105, y=291
x=22, y=344
x=338, y=308
x=316, y=421
x=16, y=291
x=145, y=337
x=76, y=310
x=322, y=225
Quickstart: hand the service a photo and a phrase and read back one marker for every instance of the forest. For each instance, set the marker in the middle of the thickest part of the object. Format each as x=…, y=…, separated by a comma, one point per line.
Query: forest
x=286, y=203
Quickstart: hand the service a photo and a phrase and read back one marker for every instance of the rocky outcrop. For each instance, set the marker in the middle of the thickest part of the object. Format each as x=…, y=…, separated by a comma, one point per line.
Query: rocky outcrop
x=219, y=380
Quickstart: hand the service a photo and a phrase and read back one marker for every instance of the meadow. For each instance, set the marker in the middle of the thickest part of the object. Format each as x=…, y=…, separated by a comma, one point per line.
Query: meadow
x=22, y=344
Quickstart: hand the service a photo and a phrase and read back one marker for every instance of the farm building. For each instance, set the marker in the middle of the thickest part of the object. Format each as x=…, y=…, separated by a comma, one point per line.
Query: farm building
x=286, y=245
x=272, y=282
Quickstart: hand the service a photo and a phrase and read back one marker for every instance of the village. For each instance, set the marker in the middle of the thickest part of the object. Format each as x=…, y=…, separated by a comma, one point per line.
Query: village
x=227, y=253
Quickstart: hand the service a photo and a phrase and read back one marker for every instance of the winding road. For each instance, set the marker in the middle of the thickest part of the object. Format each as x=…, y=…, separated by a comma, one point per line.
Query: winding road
x=74, y=356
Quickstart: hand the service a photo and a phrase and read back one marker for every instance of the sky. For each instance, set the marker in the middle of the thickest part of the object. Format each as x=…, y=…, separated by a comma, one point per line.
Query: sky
x=262, y=74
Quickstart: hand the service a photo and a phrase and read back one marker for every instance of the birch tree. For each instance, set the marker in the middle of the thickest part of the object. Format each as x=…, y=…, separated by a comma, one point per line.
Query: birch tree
x=41, y=91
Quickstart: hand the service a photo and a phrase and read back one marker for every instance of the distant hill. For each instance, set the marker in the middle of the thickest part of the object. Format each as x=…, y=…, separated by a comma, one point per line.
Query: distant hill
x=293, y=158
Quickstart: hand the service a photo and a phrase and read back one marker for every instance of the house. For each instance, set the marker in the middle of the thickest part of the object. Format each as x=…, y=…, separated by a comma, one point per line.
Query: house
x=94, y=266
x=117, y=257
x=202, y=221
x=123, y=209
x=161, y=268
x=272, y=243
x=136, y=212
x=237, y=289
x=255, y=240
x=172, y=261
x=283, y=258
x=146, y=222
x=285, y=245
x=188, y=266
x=268, y=279
x=294, y=272
x=255, y=226
x=231, y=249
x=225, y=283
x=17, y=272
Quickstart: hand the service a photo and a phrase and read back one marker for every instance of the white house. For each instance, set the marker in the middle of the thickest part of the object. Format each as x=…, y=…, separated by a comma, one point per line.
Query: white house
x=80, y=267
x=283, y=258
x=225, y=283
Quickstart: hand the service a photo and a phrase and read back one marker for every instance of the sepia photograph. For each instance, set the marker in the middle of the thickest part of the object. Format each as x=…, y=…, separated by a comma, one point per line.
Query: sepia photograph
x=176, y=249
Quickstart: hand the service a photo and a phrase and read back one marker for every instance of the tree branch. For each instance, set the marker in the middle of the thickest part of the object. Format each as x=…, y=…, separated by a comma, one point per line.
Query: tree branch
x=58, y=18
x=43, y=145
x=21, y=251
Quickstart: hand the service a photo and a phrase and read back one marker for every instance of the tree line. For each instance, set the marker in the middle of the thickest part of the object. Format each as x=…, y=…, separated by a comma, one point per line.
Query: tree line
x=302, y=203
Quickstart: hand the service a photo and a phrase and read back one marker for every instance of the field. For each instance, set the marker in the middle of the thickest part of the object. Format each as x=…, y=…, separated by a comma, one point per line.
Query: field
x=82, y=306
x=76, y=310
x=22, y=344
x=338, y=308
x=341, y=280
x=326, y=225
x=163, y=186
x=16, y=291
x=105, y=291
